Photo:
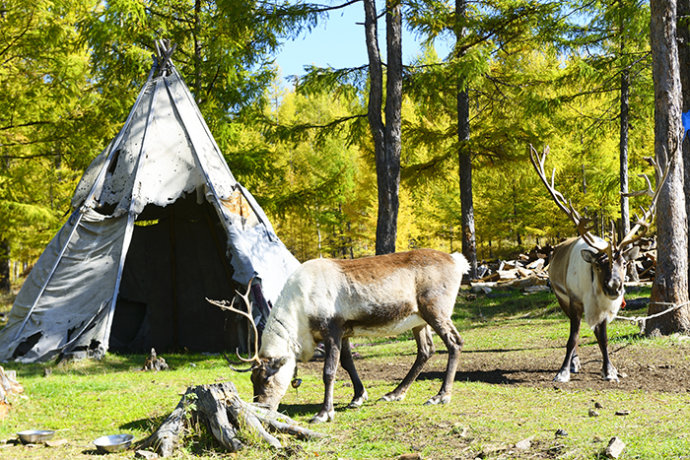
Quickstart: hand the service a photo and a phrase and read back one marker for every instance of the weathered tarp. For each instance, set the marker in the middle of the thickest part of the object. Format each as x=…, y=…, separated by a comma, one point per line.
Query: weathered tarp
x=162, y=163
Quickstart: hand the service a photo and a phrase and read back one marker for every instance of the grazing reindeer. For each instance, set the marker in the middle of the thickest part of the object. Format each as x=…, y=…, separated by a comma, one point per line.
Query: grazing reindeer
x=587, y=273
x=332, y=300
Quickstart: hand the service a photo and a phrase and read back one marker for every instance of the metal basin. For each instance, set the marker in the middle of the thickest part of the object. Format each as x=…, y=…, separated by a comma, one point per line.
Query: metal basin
x=113, y=442
x=35, y=436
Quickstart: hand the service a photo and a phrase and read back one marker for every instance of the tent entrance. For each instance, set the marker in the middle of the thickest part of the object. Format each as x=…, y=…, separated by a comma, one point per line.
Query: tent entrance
x=175, y=260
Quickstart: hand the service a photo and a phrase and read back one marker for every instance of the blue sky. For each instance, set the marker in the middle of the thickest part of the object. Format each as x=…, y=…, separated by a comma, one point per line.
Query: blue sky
x=338, y=41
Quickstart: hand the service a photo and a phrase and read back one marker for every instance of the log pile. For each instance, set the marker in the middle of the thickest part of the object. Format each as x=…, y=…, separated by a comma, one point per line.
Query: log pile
x=227, y=417
x=529, y=271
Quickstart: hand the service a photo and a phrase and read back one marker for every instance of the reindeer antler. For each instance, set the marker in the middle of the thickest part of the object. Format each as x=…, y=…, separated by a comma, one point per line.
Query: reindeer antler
x=644, y=222
x=247, y=314
x=560, y=200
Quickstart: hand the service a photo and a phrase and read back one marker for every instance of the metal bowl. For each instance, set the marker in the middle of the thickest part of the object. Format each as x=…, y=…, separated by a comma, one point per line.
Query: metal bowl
x=113, y=442
x=35, y=436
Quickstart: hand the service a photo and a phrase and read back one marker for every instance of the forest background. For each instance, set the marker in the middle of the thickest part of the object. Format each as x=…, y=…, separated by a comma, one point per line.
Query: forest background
x=535, y=72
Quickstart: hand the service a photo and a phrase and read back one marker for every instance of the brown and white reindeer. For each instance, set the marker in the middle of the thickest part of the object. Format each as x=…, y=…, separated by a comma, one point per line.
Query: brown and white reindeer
x=332, y=300
x=587, y=273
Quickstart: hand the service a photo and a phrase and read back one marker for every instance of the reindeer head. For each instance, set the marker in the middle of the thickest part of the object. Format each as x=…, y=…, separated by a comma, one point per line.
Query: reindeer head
x=607, y=257
x=271, y=378
x=609, y=269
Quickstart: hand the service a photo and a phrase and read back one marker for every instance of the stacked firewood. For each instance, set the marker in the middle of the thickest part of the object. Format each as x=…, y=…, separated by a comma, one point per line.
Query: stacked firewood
x=529, y=271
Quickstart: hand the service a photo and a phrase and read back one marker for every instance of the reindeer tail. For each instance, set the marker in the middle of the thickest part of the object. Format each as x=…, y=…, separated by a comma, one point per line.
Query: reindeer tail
x=461, y=263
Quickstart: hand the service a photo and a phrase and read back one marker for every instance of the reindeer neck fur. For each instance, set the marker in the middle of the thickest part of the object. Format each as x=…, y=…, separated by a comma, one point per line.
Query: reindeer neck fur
x=582, y=280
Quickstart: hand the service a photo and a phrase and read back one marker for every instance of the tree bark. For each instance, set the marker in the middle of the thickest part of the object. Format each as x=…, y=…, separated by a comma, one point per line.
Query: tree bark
x=671, y=281
x=219, y=407
x=624, y=136
x=5, y=284
x=469, y=245
x=387, y=226
x=387, y=137
x=683, y=39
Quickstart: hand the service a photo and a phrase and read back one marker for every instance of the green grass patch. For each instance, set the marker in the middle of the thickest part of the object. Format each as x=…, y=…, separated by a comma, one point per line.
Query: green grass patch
x=87, y=399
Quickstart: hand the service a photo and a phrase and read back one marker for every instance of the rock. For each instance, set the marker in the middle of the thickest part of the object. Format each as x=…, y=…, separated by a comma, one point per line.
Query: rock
x=598, y=405
x=623, y=412
x=56, y=442
x=525, y=444
x=615, y=447
x=145, y=454
x=412, y=456
x=593, y=413
x=561, y=433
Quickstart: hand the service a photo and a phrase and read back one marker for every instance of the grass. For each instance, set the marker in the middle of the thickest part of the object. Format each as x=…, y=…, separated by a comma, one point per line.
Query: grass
x=87, y=399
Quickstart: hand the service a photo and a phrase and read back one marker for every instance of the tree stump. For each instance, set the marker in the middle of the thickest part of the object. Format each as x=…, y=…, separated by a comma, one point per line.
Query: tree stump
x=154, y=362
x=8, y=386
x=219, y=407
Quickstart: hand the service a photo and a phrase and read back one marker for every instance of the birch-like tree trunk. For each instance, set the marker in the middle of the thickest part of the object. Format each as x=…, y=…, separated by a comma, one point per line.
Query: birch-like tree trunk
x=671, y=282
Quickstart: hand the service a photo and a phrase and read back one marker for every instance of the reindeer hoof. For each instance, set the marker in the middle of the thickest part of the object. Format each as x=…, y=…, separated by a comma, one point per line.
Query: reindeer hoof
x=610, y=376
x=575, y=364
x=562, y=377
x=392, y=397
x=438, y=399
x=358, y=401
x=323, y=417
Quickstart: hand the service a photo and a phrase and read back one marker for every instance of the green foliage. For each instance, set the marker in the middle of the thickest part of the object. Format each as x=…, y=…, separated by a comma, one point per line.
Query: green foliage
x=541, y=73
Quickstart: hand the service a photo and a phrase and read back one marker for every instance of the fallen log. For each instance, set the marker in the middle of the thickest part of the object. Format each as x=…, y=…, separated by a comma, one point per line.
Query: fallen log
x=219, y=408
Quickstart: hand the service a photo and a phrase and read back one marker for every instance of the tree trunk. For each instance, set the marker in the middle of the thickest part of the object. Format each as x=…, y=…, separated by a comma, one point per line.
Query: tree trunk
x=5, y=284
x=624, y=127
x=469, y=245
x=387, y=140
x=197, y=50
x=683, y=39
x=671, y=281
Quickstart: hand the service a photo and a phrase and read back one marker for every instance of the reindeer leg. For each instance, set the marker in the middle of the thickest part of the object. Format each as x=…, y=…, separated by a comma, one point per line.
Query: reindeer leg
x=451, y=338
x=608, y=371
x=425, y=348
x=332, y=342
x=349, y=365
x=571, y=361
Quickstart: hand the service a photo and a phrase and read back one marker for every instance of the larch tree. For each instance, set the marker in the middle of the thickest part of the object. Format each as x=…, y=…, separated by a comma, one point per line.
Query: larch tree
x=469, y=245
x=683, y=39
x=386, y=134
x=670, y=286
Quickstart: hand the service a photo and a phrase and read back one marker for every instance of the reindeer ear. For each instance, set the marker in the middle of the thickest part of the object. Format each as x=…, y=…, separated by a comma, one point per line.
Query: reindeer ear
x=632, y=253
x=274, y=365
x=588, y=255
x=277, y=363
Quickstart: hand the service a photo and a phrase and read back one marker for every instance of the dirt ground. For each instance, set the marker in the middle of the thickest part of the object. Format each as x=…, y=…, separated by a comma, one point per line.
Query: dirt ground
x=642, y=367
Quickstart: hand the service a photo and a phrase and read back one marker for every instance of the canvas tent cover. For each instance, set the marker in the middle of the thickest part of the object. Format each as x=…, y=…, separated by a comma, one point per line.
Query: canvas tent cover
x=161, y=182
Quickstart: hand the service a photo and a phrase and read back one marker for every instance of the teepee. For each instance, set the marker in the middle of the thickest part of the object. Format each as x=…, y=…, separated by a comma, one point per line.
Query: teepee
x=159, y=225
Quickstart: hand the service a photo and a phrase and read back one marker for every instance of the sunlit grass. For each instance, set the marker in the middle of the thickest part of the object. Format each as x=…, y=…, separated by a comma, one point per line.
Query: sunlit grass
x=84, y=400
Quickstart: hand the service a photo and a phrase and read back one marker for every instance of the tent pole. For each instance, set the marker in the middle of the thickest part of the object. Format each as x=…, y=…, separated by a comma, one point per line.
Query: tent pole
x=130, y=218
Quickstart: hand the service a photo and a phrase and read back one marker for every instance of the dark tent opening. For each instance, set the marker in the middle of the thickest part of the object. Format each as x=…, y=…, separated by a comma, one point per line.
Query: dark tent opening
x=175, y=261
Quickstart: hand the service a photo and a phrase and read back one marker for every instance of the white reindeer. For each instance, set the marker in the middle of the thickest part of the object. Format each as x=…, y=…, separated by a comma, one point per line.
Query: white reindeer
x=331, y=300
x=587, y=273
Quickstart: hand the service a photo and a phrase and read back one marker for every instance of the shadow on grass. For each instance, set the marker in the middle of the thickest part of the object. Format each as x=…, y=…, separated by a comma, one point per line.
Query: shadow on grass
x=295, y=410
x=494, y=376
x=144, y=424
